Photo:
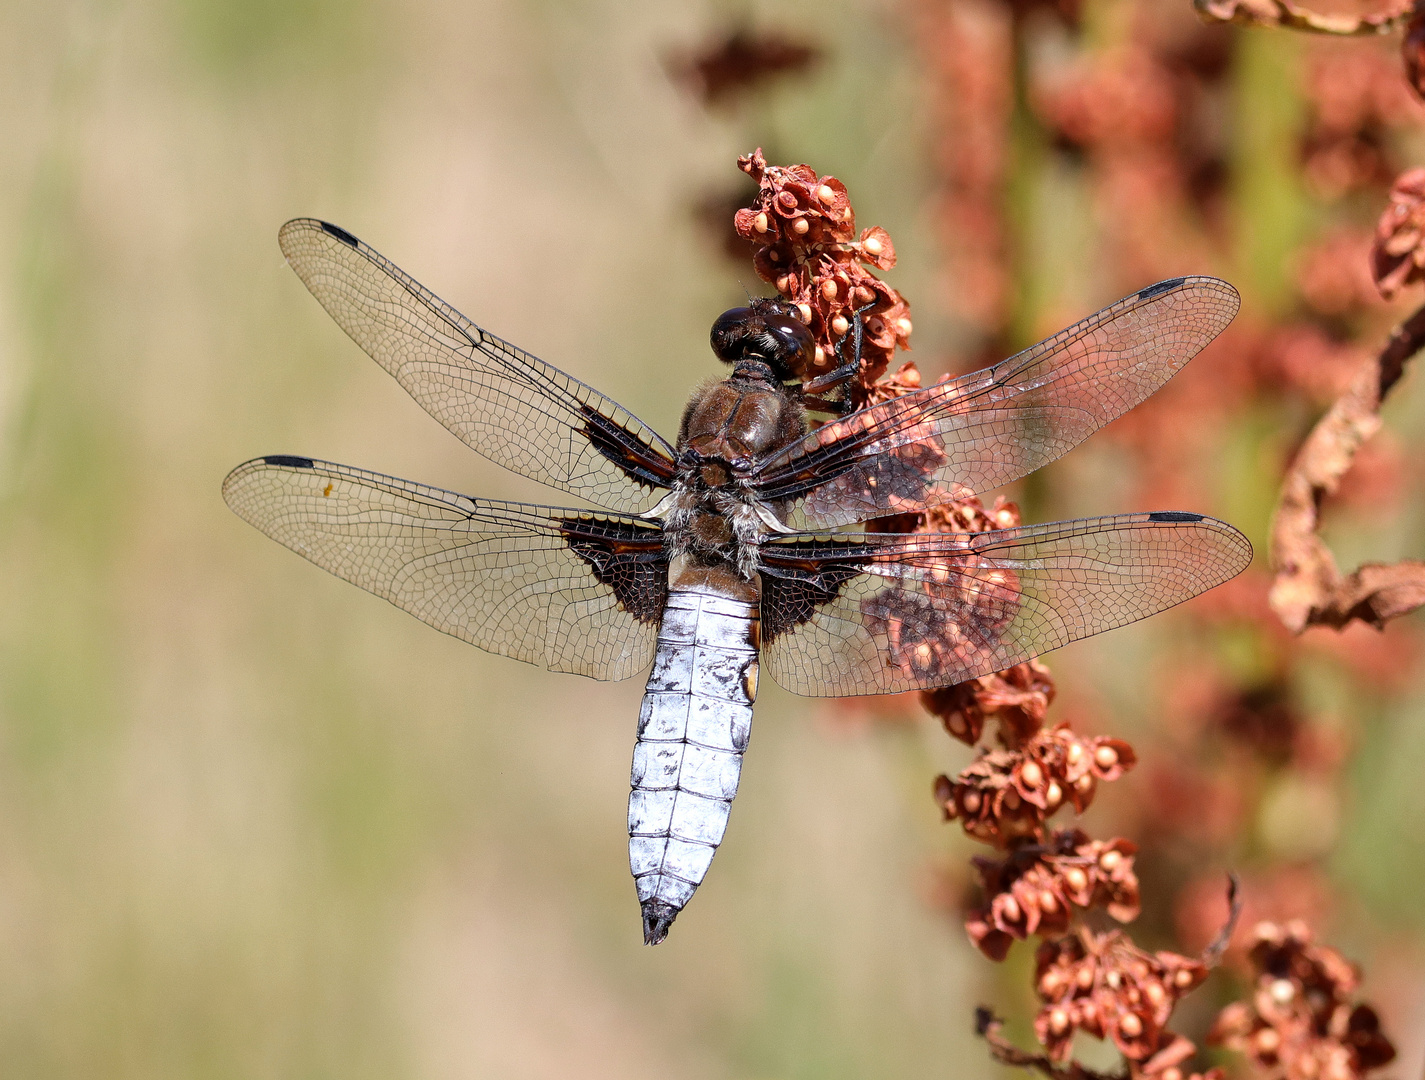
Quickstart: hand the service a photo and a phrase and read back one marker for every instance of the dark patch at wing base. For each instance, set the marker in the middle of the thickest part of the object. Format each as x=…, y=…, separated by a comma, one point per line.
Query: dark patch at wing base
x=628, y=558
x=640, y=461
x=793, y=589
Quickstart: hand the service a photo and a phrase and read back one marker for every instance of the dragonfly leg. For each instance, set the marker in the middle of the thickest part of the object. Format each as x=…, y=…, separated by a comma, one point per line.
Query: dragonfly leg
x=845, y=370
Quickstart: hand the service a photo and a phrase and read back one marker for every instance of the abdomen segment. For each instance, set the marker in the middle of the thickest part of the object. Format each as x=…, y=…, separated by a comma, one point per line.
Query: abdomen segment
x=692, y=731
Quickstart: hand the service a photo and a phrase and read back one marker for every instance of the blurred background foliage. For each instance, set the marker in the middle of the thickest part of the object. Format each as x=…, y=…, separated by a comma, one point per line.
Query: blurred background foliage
x=256, y=823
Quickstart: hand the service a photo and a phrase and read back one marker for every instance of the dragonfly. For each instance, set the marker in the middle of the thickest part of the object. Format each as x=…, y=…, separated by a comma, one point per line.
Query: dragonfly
x=734, y=547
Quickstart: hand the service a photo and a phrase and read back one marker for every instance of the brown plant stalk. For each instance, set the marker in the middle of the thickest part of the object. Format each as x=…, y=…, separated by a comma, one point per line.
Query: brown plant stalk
x=1284, y=13
x=1309, y=589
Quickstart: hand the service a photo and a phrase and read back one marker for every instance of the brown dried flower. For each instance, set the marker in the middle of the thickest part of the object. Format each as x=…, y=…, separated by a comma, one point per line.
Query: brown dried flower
x=1288, y=14
x=1033, y=890
x=1018, y=698
x=1107, y=987
x=1299, y=1023
x=1164, y=1064
x=740, y=61
x=1007, y=795
x=804, y=231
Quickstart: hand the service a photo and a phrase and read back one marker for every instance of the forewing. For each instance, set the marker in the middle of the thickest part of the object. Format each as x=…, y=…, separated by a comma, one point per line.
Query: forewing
x=502, y=402
x=568, y=590
x=879, y=613
x=985, y=429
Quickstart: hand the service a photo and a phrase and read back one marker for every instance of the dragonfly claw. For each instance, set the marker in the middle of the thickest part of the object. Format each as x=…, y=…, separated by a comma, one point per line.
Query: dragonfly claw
x=658, y=916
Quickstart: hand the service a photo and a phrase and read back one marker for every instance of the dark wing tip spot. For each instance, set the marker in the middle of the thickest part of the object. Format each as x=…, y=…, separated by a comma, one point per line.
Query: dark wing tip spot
x=1155, y=290
x=288, y=460
x=1173, y=515
x=341, y=234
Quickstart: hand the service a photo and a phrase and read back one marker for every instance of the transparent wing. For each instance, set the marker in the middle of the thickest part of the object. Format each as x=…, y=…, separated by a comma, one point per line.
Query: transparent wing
x=565, y=589
x=982, y=430
x=879, y=613
x=503, y=403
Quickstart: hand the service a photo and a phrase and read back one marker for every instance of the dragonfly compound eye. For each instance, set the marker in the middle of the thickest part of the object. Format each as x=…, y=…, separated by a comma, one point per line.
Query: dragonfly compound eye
x=767, y=330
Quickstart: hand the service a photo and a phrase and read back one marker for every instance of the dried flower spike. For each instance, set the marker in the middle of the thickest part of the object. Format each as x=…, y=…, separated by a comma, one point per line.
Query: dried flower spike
x=1007, y=795
x=742, y=61
x=1295, y=17
x=803, y=231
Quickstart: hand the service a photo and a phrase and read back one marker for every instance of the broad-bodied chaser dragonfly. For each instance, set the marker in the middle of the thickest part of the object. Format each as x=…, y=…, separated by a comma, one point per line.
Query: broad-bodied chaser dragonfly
x=727, y=549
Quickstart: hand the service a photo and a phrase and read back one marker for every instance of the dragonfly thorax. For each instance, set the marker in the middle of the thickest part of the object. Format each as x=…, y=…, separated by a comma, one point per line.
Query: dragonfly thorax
x=728, y=428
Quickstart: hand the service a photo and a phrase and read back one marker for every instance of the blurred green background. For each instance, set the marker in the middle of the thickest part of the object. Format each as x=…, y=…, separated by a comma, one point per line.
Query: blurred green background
x=255, y=823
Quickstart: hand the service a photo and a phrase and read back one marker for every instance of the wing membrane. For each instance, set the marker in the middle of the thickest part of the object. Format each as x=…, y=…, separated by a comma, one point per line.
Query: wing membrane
x=568, y=590
x=982, y=430
x=880, y=613
x=513, y=408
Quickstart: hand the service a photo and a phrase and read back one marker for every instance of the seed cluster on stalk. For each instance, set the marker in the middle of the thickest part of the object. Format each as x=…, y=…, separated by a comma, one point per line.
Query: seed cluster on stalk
x=803, y=231
x=1107, y=987
x=1035, y=889
x=1094, y=981
x=1057, y=884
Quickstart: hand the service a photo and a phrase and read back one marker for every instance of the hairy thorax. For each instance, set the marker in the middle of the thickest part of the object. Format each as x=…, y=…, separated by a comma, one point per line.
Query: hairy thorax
x=728, y=427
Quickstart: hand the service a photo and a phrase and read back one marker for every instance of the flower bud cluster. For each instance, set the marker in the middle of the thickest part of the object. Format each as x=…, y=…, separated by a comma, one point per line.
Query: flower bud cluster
x=1107, y=987
x=1006, y=796
x=1299, y=1023
x=1033, y=890
x=803, y=230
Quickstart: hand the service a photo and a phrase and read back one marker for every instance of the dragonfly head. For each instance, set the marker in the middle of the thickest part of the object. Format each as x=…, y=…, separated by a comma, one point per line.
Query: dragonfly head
x=767, y=330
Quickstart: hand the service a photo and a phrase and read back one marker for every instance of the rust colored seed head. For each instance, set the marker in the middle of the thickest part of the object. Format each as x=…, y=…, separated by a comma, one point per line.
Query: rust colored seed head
x=1018, y=698
x=725, y=68
x=803, y=230
x=1299, y=1022
x=1105, y=985
x=1007, y=795
x=1033, y=890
